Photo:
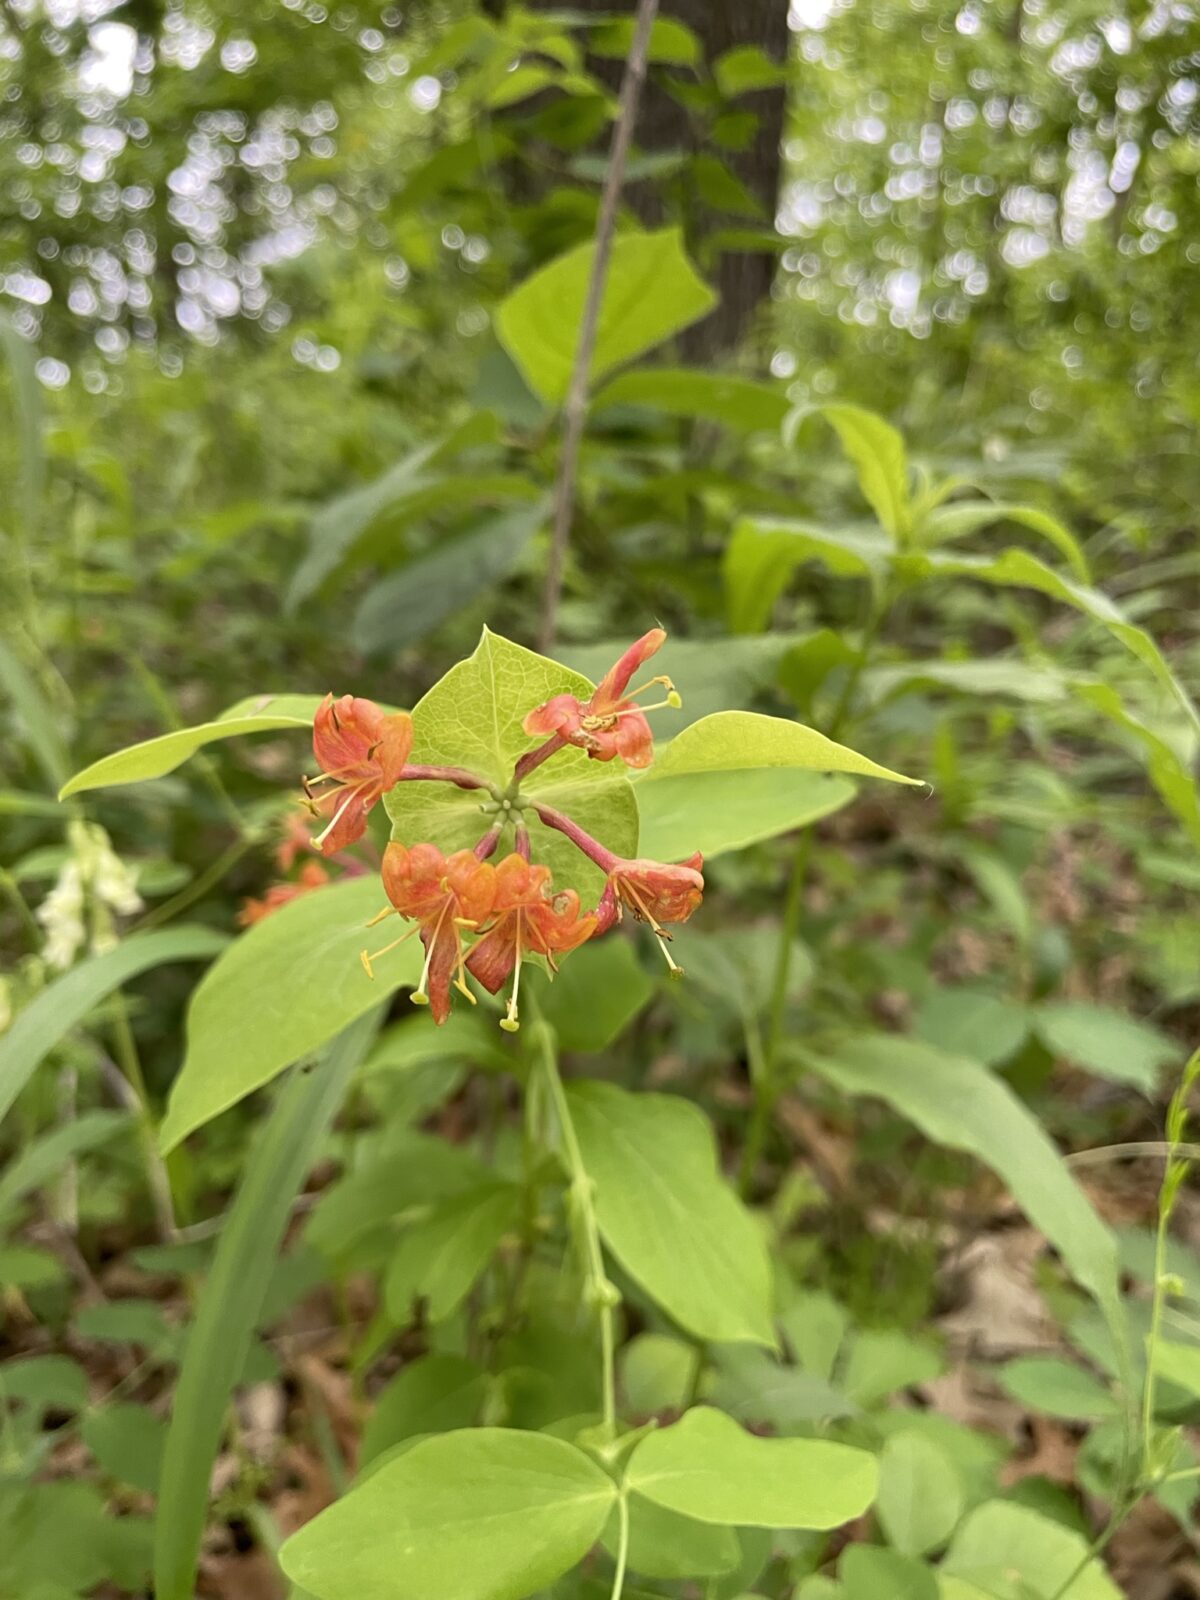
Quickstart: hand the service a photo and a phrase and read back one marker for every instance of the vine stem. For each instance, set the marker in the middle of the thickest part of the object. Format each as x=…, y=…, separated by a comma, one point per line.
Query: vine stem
x=575, y=407
x=598, y=1289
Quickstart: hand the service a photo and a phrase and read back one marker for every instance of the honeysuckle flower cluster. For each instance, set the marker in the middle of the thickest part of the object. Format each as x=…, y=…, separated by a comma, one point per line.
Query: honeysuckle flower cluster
x=488, y=918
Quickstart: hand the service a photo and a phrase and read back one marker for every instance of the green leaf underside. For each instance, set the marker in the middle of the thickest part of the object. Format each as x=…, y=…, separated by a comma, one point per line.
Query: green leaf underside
x=153, y=758
x=960, y=1104
x=669, y=1217
x=652, y=291
x=472, y=718
x=738, y=741
x=232, y=1300
x=485, y=1514
x=921, y=1496
x=705, y=1466
x=664, y=1545
x=67, y=1001
x=278, y=993
x=715, y=812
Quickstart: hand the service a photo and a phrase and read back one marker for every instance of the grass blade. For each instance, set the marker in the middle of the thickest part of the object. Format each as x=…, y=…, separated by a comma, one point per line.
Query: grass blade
x=232, y=1300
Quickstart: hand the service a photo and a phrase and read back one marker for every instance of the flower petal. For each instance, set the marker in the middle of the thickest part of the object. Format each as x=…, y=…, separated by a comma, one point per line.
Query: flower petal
x=616, y=680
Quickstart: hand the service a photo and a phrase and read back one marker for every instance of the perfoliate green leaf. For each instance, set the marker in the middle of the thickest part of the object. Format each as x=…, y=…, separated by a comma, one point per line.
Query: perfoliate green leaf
x=668, y=1216
x=278, y=993
x=739, y=741
x=487, y=1514
x=651, y=292
x=472, y=718
x=705, y=1466
x=715, y=812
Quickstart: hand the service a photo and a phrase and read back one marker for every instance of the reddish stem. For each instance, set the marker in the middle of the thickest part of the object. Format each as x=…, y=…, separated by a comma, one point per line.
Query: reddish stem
x=487, y=845
x=522, y=841
x=457, y=775
x=579, y=837
x=534, y=758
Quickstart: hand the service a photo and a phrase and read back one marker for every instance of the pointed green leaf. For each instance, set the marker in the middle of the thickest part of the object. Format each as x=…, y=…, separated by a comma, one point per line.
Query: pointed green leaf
x=668, y=1216
x=433, y=1394
x=279, y=992
x=1169, y=772
x=738, y=741
x=154, y=757
x=705, y=1466
x=46, y=1157
x=966, y=517
x=959, y=1104
x=877, y=452
x=486, y=1514
x=715, y=812
x=651, y=292
x=472, y=718
x=1106, y=1041
x=764, y=552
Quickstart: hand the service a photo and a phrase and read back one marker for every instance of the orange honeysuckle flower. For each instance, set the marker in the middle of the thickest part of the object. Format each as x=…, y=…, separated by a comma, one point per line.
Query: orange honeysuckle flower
x=655, y=893
x=312, y=876
x=611, y=723
x=526, y=920
x=362, y=751
x=443, y=895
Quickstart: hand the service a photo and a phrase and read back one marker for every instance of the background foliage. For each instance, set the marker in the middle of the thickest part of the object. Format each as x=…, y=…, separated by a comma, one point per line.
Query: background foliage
x=290, y=298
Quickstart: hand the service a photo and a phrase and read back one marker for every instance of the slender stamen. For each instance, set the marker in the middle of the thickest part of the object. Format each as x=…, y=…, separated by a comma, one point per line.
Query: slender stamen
x=674, y=701
x=662, y=678
x=374, y=955
x=381, y=916
x=333, y=821
x=420, y=995
x=510, y=1022
x=660, y=933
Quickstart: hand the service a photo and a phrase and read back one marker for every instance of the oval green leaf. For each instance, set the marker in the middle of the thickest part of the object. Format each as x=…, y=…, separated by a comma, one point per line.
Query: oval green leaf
x=485, y=1514
x=706, y=1467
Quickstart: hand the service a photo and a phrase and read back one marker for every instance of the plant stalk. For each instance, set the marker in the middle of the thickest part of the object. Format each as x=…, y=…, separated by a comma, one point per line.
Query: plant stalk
x=575, y=407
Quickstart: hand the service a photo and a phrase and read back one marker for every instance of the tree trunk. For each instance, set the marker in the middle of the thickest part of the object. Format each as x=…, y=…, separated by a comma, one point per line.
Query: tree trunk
x=742, y=278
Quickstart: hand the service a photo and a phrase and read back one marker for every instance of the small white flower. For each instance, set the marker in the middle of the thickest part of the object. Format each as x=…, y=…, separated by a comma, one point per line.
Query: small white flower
x=61, y=914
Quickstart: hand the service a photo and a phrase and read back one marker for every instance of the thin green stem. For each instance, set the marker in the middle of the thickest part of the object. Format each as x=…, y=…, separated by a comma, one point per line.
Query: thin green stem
x=13, y=891
x=622, y=1545
x=126, y=1051
x=199, y=886
x=599, y=1291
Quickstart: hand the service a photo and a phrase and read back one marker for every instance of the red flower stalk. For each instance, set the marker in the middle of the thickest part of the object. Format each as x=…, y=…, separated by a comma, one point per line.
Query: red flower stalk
x=611, y=723
x=526, y=920
x=312, y=876
x=655, y=893
x=443, y=895
x=361, y=751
